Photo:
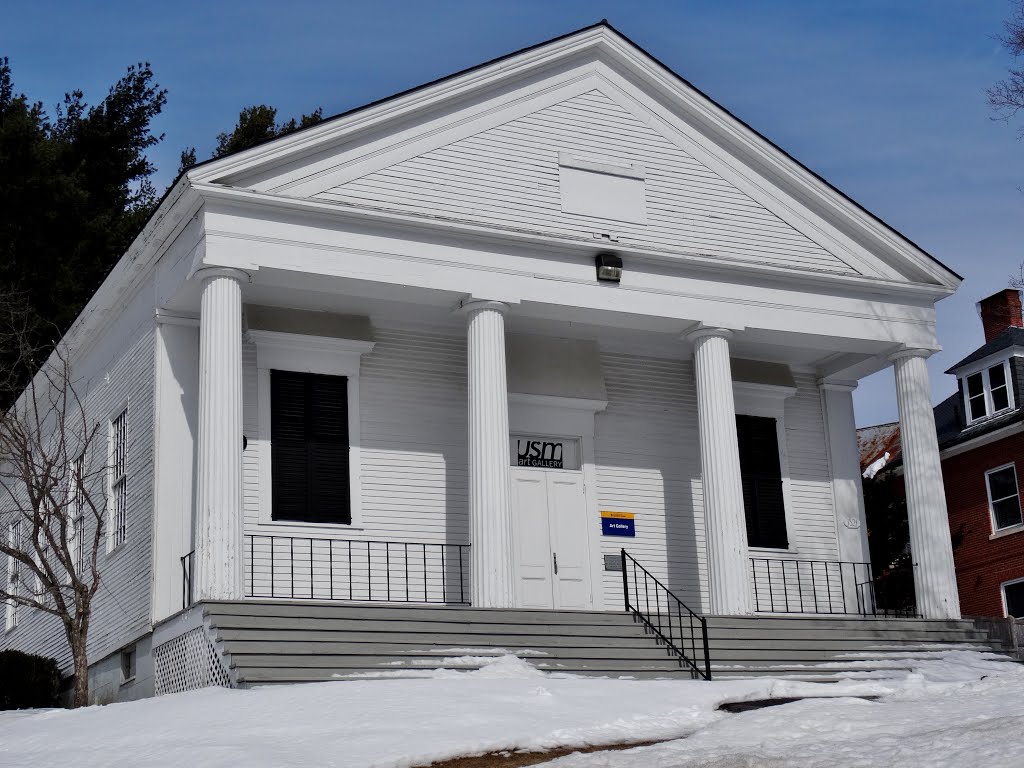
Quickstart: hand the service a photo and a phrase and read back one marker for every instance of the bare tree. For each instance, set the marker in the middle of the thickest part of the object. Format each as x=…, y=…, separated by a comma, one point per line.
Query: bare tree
x=1007, y=96
x=52, y=501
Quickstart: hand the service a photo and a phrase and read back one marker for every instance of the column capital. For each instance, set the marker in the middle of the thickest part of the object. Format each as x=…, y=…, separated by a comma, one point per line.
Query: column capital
x=837, y=385
x=469, y=305
x=716, y=330
x=205, y=273
x=905, y=352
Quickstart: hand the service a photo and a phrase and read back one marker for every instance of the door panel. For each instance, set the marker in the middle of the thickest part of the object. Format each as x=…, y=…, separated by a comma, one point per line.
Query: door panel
x=532, y=539
x=569, y=540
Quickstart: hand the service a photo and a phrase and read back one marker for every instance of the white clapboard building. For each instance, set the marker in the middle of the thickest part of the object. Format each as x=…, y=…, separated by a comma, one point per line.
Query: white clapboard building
x=464, y=346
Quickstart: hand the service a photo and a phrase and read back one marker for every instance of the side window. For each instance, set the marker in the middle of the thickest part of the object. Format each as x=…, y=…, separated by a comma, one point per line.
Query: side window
x=309, y=447
x=13, y=574
x=988, y=392
x=1013, y=594
x=1003, y=497
x=761, y=472
x=119, y=479
x=976, y=396
x=77, y=515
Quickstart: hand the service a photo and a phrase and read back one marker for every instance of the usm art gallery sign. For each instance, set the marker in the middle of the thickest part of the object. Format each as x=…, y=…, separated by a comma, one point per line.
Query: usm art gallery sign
x=538, y=452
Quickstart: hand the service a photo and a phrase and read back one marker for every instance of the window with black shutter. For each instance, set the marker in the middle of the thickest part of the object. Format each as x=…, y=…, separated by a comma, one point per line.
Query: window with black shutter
x=309, y=447
x=762, y=482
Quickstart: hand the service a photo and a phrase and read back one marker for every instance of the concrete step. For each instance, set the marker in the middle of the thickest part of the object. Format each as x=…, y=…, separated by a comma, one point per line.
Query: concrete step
x=270, y=642
x=438, y=661
x=241, y=651
x=376, y=625
x=317, y=642
x=540, y=640
x=411, y=612
x=271, y=676
x=819, y=623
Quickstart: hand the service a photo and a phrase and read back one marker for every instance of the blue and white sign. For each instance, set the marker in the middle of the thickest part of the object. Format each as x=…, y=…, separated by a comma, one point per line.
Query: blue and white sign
x=618, y=524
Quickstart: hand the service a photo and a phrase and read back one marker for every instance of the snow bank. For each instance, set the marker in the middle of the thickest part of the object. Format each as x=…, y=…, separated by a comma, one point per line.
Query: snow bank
x=509, y=705
x=956, y=712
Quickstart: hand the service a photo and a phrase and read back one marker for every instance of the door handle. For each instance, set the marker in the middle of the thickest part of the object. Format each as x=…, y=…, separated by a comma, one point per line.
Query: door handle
x=554, y=555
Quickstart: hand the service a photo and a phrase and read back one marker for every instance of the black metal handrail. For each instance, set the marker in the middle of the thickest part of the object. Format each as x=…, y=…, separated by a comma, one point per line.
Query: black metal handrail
x=678, y=627
x=890, y=593
x=361, y=570
x=186, y=579
x=786, y=585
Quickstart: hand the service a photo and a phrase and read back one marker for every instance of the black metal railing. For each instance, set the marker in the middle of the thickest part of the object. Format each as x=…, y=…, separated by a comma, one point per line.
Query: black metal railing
x=354, y=569
x=784, y=585
x=891, y=592
x=186, y=579
x=652, y=603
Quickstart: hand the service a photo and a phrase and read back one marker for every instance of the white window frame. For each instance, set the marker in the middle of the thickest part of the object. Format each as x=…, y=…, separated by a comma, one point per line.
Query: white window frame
x=769, y=401
x=13, y=575
x=996, y=531
x=117, y=483
x=76, y=520
x=1002, y=593
x=983, y=369
x=324, y=355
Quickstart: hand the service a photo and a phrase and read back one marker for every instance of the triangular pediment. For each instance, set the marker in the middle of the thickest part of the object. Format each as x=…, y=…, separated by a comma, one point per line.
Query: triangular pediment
x=520, y=174
x=585, y=137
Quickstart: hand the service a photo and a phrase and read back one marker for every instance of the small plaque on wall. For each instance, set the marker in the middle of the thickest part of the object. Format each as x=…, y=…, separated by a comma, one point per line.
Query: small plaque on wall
x=613, y=563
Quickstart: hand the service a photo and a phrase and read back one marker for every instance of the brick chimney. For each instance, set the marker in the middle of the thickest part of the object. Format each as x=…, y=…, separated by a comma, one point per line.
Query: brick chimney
x=999, y=311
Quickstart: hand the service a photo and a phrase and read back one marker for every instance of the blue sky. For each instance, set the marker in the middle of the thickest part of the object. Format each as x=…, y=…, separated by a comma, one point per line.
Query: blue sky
x=884, y=99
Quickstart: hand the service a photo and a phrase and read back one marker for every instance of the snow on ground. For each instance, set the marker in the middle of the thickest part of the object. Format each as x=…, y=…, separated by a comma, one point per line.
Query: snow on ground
x=943, y=713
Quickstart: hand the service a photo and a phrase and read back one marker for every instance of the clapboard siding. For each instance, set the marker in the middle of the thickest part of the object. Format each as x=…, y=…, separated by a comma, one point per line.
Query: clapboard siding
x=415, y=483
x=648, y=462
x=121, y=608
x=509, y=175
x=810, y=474
x=412, y=414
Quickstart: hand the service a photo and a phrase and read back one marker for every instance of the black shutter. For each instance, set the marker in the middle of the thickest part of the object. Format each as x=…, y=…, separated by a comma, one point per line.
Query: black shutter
x=309, y=447
x=762, y=482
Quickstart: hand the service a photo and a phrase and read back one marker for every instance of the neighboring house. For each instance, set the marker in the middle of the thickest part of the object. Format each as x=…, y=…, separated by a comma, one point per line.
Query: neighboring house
x=465, y=344
x=981, y=440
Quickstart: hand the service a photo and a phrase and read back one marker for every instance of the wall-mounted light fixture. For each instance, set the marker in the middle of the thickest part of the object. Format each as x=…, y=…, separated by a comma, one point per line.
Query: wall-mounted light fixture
x=609, y=267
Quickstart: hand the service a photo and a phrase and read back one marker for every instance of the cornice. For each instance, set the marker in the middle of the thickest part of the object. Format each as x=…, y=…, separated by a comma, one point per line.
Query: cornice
x=709, y=264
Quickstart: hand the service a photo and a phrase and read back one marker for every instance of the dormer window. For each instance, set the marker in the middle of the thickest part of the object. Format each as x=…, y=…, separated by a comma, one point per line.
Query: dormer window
x=987, y=392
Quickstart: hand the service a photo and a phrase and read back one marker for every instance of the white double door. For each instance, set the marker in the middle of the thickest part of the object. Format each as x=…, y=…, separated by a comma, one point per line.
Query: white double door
x=551, y=539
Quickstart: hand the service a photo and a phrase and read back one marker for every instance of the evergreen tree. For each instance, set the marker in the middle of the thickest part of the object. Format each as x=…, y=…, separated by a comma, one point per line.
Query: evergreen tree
x=256, y=125
x=76, y=191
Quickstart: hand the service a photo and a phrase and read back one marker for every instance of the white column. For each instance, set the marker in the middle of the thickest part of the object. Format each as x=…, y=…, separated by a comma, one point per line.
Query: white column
x=724, y=519
x=847, y=491
x=932, y=552
x=490, y=514
x=218, y=536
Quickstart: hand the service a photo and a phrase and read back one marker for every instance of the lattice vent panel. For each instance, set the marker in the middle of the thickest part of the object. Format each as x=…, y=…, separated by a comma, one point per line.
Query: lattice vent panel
x=188, y=662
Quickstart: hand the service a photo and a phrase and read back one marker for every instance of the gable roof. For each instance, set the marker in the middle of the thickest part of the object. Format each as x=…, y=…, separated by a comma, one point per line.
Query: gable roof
x=1011, y=337
x=804, y=185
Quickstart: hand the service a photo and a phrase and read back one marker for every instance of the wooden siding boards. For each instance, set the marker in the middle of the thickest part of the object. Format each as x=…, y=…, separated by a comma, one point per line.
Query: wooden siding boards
x=647, y=455
x=648, y=462
x=509, y=176
x=121, y=610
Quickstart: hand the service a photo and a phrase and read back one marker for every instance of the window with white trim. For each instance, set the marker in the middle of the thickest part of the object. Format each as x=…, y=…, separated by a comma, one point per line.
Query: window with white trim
x=1003, y=497
x=13, y=574
x=76, y=533
x=1013, y=598
x=328, y=410
x=987, y=392
x=119, y=479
